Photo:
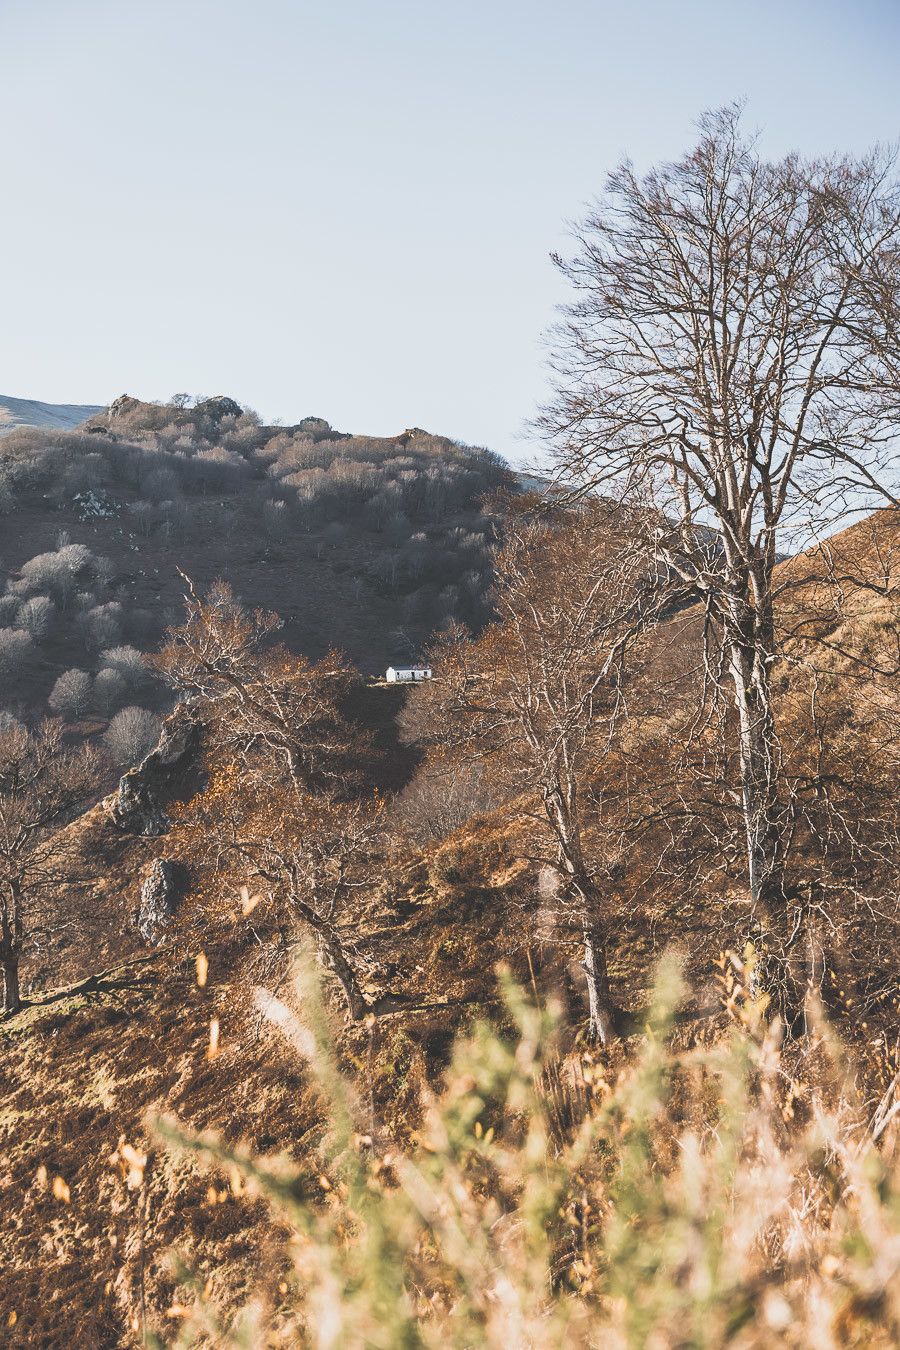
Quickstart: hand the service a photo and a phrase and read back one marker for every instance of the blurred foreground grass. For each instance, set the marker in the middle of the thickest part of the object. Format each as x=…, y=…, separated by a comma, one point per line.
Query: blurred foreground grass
x=701, y=1197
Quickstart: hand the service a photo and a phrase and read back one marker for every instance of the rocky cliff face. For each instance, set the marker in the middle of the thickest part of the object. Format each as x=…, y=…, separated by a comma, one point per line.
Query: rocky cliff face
x=138, y=805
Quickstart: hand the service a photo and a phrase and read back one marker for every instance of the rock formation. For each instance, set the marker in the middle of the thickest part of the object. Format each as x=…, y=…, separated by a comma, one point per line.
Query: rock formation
x=218, y=407
x=137, y=806
x=160, y=894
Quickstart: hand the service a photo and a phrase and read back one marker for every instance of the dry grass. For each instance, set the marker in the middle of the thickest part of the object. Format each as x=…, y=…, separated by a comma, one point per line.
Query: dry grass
x=696, y=1197
x=332, y=1200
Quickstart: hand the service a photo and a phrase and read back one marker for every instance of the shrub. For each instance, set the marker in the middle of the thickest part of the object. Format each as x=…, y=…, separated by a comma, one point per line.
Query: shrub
x=131, y=734
x=560, y=1204
x=130, y=664
x=45, y=571
x=102, y=625
x=217, y=470
x=110, y=689
x=143, y=517
x=175, y=518
x=448, y=602
x=104, y=570
x=385, y=568
x=312, y=486
x=36, y=616
x=56, y=572
x=9, y=609
x=160, y=485
x=246, y=435
x=15, y=650
x=30, y=462
x=7, y=491
x=396, y=528
x=441, y=799
x=79, y=476
x=71, y=694
x=76, y=557
x=382, y=508
x=276, y=520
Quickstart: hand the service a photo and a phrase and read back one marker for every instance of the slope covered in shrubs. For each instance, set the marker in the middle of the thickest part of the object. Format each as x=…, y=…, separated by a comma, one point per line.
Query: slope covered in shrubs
x=367, y=544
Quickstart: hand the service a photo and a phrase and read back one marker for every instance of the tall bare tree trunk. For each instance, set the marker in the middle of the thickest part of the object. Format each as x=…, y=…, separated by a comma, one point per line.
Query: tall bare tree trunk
x=12, y=1000
x=11, y=944
x=750, y=652
x=601, y=1010
x=749, y=635
x=562, y=812
x=759, y=781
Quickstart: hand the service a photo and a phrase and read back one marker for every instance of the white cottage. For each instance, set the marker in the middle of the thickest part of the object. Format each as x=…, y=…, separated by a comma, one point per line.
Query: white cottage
x=407, y=674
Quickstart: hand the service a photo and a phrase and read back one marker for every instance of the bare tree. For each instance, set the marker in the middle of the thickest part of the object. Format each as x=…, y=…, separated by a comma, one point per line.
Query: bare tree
x=36, y=616
x=130, y=664
x=540, y=695
x=56, y=572
x=110, y=688
x=131, y=734
x=311, y=857
x=223, y=658
x=71, y=694
x=441, y=799
x=102, y=625
x=731, y=358
x=16, y=648
x=40, y=784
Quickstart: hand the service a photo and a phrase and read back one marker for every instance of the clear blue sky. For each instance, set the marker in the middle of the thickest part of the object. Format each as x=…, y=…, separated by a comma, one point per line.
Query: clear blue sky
x=346, y=207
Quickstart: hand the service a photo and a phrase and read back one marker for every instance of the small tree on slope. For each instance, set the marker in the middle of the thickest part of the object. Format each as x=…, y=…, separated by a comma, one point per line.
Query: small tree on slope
x=540, y=695
x=40, y=784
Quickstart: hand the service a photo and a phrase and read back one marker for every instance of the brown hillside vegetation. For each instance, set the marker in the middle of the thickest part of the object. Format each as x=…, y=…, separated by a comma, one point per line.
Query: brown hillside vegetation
x=112, y=1230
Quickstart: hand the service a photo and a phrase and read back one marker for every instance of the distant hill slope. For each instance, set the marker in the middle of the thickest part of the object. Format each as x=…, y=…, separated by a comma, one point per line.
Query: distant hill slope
x=28, y=412
x=367, y=544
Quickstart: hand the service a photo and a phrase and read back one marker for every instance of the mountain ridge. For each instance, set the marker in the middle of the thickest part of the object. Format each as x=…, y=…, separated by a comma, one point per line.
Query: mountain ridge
x=31, y=412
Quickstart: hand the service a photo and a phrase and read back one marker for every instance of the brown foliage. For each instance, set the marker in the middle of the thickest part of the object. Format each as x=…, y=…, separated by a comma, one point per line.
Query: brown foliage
x=541, y=694
x=256, y=695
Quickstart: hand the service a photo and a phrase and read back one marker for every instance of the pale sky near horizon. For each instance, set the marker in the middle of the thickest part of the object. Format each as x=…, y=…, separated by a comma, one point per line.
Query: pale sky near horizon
x=346, y=208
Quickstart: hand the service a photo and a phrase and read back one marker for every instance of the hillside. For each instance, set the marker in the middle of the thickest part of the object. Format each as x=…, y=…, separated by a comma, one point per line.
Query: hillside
x=29, y=412
x=88, y=1064
x=363, y=544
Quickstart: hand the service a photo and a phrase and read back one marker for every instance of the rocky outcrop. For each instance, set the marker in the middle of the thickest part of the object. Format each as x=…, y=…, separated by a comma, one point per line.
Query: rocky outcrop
x=218, y=407
x=137, y=806
x=410, y=434
x=160, y=896
x=121, y=406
